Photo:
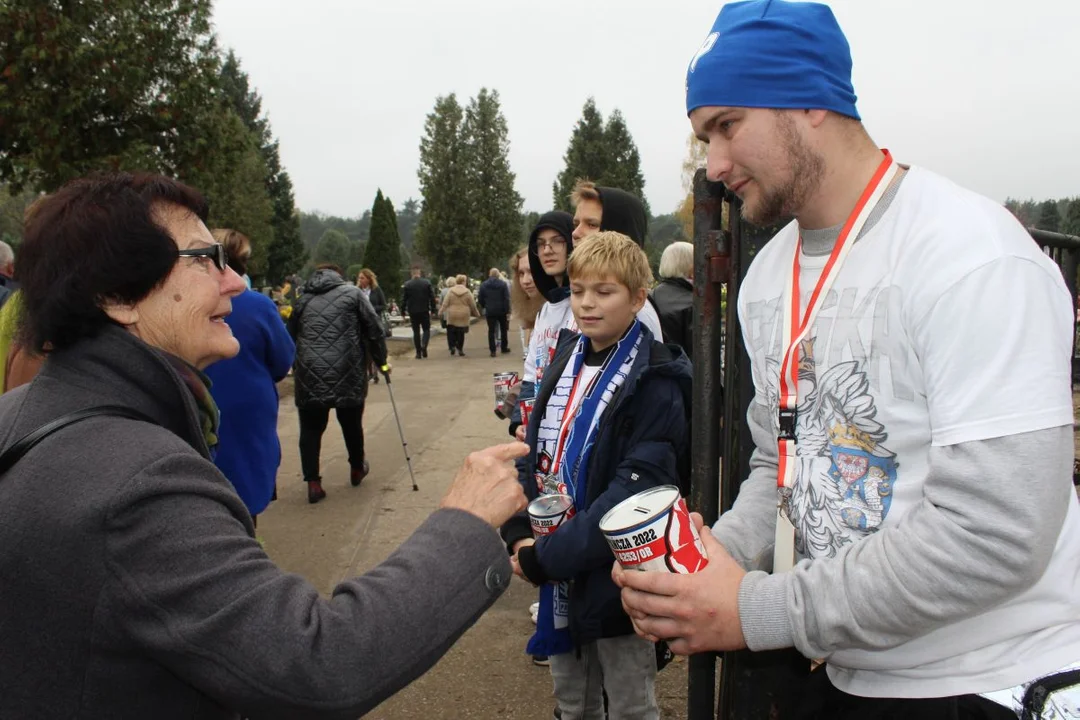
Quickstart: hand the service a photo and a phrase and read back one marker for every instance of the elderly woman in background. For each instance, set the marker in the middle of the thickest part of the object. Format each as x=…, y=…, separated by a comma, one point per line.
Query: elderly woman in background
x=133, y=586
x=459, y=305
x=447, y=284
x=525, y=299
x=369, y=285
x=245, y=387
x=674, y=295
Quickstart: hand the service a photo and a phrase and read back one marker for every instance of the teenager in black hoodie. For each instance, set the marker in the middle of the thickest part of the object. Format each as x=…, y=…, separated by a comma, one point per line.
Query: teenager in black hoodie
x=599, y=208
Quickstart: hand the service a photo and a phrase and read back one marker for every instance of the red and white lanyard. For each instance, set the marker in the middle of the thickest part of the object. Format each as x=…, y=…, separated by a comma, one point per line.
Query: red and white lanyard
x=795, y=331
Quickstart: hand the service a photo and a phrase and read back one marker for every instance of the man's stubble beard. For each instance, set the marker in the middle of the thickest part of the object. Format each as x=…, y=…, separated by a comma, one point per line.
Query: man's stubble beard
x=806, y=168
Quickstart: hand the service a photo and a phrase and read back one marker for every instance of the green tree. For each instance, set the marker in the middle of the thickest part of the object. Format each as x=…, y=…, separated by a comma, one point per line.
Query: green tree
x=528, y=222
x=623, y=167
x=1049, y=218
x=284, y=250
x=232, y=178
x=13, y=208
x=102, y=84
x=443, y=218
x=333, y=247
x=383, y=252
x=492, y=202
x=585, y=157
x=1071, y=223
x=287, y=252
x=407, y=220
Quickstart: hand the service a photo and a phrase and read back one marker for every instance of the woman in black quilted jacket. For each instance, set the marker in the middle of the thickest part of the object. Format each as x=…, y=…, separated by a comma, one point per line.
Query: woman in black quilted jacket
x=336, y=332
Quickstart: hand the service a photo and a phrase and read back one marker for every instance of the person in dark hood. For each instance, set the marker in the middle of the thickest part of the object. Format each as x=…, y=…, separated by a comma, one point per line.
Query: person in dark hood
x=599, y=208
x=335, y=329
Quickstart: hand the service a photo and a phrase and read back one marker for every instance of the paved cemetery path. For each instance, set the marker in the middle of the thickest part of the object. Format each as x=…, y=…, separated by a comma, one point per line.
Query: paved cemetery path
x=446, y=409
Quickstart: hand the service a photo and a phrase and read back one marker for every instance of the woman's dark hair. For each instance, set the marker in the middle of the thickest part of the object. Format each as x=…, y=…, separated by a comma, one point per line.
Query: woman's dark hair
x=95, y=240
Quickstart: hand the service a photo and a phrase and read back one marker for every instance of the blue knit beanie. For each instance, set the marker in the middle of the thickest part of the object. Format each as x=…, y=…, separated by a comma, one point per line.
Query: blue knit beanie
x=773, y=54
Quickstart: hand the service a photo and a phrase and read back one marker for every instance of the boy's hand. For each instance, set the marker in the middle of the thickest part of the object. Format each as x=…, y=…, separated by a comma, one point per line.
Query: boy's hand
x=514, y=564
x=520, y=433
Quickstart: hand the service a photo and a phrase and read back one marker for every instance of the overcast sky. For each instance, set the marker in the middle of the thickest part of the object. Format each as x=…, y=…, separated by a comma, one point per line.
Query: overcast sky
x=984, y=91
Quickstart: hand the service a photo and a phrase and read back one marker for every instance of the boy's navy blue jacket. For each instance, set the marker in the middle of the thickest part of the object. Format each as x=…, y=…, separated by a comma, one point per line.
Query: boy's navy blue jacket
x=642, y=442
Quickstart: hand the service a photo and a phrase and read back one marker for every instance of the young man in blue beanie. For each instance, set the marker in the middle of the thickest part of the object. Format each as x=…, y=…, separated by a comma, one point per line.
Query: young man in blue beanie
x=909, y=515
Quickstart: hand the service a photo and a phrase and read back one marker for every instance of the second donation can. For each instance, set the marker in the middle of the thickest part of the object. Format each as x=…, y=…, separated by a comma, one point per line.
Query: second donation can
x=548, y=512
x=653, y=531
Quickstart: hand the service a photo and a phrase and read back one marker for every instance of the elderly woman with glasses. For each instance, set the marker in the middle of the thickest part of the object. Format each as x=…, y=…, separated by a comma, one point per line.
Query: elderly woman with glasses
x=133, y=586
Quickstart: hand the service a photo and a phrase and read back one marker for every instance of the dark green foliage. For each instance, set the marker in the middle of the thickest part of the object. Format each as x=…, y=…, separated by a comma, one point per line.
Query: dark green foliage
x=440, y=231
x=144, y=88
x=1049, y=218
x=470, y=218
x=407, y=219
x=605, y=154
x=1071, y=224
x=104, y=85
x=494, y=206
x=333, y=247
x=383, y=251
x=586, y=155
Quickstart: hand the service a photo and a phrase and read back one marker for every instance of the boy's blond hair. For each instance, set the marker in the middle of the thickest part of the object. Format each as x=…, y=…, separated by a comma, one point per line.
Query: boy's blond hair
x=584, y=190
x=611, y=253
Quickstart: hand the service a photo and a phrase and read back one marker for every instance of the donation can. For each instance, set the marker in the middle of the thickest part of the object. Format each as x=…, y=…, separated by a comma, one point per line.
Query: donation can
x=548, y=512
x=653, y=531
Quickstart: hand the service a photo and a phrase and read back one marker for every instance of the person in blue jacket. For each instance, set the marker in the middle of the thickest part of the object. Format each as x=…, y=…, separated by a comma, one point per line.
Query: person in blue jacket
x=610, y=420
x=245, y=387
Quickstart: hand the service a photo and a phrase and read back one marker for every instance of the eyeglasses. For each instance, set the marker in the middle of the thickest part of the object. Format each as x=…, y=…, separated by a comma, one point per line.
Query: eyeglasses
x=554, y=244
x=215, y=252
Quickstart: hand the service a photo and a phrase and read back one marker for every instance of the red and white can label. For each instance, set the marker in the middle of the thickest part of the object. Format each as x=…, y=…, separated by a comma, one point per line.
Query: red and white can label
x=548, y=512
x=526, y=411
x=663, y=538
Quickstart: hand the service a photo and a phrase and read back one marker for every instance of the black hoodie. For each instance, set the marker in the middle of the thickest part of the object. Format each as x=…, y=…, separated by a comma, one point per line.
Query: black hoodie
x=624, y=213
x=562, y=223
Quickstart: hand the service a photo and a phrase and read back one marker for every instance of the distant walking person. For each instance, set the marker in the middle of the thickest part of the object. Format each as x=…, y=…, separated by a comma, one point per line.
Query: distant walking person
x=335, y=329
x=369, y=285
x=418, y=300
x=244, y=387
x=494, y=300
x=459, y=306
x=447, y=284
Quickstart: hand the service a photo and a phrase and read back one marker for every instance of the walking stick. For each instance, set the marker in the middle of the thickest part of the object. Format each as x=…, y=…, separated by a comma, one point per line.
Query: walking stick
x=385, y=369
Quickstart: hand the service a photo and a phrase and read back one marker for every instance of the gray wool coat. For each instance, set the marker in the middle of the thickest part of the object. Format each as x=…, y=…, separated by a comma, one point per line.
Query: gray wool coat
x=131, y=584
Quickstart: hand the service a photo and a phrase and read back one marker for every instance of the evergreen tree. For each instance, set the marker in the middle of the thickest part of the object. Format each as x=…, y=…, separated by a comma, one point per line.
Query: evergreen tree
x=1071, y=224
x=586, y=156
x=284, y=251
x=623, y=168
x=232, y=178
x=492, y=202
x=407, y=220
x=333, y=247
x=383, y=252
x=1049, y=219
x=440, y=232
x=104, y=85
